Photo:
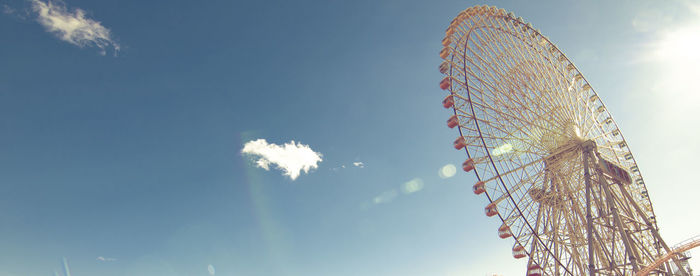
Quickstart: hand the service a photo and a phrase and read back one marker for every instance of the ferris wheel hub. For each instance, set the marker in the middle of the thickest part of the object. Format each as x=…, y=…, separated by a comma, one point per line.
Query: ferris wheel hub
x=588, y=145
x=570, y=147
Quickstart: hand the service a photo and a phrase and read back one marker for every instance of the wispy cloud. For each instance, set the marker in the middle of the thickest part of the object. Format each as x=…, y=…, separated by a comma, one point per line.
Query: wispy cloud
x=7, y=9
x=291, y=158
x=358, y=164
x=104, y=259
x=72, y=26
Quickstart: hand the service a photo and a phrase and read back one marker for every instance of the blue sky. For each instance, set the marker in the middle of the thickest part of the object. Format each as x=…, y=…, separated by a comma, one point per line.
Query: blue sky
x=130, y=149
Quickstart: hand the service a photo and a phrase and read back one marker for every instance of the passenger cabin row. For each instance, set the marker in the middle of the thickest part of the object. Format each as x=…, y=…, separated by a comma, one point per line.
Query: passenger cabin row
x=468, y=165
x=491, y=209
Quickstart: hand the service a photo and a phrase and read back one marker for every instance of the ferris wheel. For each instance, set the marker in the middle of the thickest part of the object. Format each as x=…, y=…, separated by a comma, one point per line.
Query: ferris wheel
x=550, y=160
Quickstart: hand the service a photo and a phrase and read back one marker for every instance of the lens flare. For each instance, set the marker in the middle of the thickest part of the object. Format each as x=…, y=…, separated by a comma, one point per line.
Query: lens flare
x=412, y=186
x=447, y=171
x=502, y=149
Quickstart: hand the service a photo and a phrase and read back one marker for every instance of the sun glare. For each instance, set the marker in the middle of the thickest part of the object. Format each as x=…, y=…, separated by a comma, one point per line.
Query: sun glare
x=676, y=56
x=680, y=45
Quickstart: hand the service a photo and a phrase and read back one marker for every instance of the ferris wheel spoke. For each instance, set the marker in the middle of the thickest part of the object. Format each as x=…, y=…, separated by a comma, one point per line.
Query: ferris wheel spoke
x=502, y=72
x=506, y=148
x=561, y=91
x=541, y=118
x=591, y=116
x=481, y=56
x=604, y=135
x=508, y=133
x=481, y=105
x=613, y=149
x=522, y=51
x=573, y=98
x=598, y=130
x=491, y=99
x=509, y=191
x=491, y=86
x=509, y=37
x=592, y=110
x=545, y=113
x=561, y=102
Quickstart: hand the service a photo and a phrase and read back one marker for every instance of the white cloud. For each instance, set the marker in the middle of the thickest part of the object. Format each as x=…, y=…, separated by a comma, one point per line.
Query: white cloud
x=100, y=258
x=292, y=157
x=73, y=27
x=358, y=164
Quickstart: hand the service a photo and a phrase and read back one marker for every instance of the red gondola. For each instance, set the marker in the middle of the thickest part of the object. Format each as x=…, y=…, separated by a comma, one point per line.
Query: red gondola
x=444, y=53
x=444, y=66
x=459, y=143
x=448, y=102
x=446, y=41
x=453, y=121
x=445, y=83
x=491, y=209
x=468, y=165
x=479, y=188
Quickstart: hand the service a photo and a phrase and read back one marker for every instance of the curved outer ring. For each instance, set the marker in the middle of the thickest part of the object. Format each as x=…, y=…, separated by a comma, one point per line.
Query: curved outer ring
x=483, y=142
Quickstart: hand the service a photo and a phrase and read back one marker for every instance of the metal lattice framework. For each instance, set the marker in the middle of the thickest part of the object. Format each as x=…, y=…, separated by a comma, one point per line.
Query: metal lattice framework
x=548, y=156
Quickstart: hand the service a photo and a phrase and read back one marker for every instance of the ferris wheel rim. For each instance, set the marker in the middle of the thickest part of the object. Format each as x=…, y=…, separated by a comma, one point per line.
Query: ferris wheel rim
x=500, y=179
x=593, y=123
x=585, y=80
